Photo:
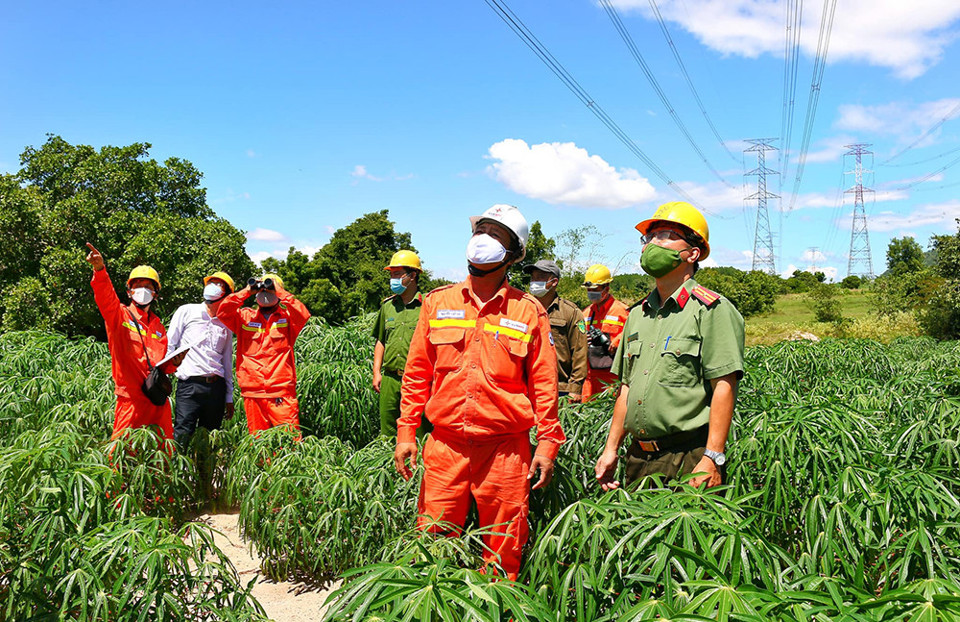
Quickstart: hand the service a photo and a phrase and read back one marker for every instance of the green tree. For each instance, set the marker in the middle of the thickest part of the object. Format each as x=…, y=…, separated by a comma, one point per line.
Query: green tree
x=802, y=281
x=851, y=282
x=825, y=305
x=941, y=317
x=751, y=292
x=135, y=210
x=904, y=256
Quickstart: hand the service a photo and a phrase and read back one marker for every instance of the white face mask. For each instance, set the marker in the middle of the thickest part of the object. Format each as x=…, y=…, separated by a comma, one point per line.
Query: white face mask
x=266, y=298
x=142, y=296
x=538, y=288
x=484, y=249
x=212, y=292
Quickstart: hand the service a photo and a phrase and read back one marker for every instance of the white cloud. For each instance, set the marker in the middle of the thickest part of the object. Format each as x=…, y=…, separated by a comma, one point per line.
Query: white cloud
x=813, y=256
x=828, y=150
x=281, y=253
x=265, y=235
x=904, y=119
x=562, y=173
x=830, y=272
x=907, y=37
x=788, y=271
x=937, y=214
x=259, y=257
x=715, y=196
x=230, y=197
x=360, y=172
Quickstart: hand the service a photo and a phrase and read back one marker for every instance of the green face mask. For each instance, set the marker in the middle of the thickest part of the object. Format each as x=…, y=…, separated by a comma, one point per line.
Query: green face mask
x=658, y=261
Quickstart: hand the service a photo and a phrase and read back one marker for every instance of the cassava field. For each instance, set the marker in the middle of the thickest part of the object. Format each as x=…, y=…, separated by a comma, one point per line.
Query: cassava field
x=842, y=502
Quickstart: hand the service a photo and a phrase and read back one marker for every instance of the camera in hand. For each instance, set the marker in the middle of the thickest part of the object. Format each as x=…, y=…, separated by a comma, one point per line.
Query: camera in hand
x=598, y=349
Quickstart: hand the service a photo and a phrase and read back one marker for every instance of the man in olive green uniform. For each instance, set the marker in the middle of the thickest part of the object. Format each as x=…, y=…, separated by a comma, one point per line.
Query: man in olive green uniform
x=679, y=362
x=567, y=327
x=393, y=331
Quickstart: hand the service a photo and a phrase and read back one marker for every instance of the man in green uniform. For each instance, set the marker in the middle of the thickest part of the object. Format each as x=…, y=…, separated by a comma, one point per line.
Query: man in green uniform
x=679, y=361
x=393, y=331
x=567, y=327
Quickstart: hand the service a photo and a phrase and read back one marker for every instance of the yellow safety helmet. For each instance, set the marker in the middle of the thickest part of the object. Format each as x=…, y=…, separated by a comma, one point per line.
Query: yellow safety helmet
x=684, y=215
x=144, y=272
x=274, y=277
x=223, y=276
x=597, y=274
x=404, y=259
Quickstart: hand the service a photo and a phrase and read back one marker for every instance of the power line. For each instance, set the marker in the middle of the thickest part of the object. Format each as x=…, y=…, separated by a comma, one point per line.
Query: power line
x=683, y=70
x=791, y=64
x=932, y=129
x=927, y=177
x=925, y=160
x=638, y=57
x=531, y=41
x=819, y=64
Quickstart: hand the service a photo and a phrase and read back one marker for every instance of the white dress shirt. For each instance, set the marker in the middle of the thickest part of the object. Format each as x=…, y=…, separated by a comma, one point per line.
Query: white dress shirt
x=211, y=353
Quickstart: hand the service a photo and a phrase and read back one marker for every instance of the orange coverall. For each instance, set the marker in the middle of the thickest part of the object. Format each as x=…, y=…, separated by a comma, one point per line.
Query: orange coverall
x=127, y=359
x=266, y=370
x=609, y=316
x=483, y=374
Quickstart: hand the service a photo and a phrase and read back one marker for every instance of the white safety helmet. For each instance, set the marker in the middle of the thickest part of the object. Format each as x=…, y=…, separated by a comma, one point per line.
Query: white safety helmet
x=511, y=218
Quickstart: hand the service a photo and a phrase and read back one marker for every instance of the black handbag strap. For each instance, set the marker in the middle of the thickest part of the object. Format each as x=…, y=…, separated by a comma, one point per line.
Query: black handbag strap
x=136, y=325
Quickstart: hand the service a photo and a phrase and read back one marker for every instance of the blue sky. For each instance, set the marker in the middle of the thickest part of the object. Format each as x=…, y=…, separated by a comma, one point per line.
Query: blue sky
x=305, y=116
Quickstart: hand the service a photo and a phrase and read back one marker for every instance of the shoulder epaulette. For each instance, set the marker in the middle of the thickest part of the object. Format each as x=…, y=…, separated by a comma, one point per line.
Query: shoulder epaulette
x=704, y=295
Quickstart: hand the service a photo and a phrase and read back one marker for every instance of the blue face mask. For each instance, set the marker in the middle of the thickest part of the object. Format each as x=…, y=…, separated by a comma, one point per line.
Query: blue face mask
x=397, y=286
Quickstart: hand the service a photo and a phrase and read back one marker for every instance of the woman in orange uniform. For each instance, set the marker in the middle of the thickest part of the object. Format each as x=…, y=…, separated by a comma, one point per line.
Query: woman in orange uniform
x=134, y=332
x=266, y=370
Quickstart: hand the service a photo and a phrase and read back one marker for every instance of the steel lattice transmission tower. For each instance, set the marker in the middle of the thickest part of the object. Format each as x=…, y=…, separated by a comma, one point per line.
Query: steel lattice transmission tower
x=764, y=257
x=860, y=262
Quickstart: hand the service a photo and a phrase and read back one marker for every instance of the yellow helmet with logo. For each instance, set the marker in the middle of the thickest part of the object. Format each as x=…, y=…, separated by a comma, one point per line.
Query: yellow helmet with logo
x=144, y=272
x=223, y=276
x=274, y=277
x=404, y=259
x=684, y=215
x=597, y=274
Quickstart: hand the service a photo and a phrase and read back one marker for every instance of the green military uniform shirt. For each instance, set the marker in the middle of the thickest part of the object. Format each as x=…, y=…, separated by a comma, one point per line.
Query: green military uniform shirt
x=569, y=332
x=669, y=353
x=394, y=329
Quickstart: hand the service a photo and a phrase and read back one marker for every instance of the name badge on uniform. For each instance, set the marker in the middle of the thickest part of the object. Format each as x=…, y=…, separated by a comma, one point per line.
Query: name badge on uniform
x=515, y=325
x=255, y=325
x=451, y=314
x=281, y=322
x=632, y=337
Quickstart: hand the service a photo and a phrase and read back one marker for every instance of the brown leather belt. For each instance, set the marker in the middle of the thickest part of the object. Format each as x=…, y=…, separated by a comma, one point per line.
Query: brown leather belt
x=665, y=443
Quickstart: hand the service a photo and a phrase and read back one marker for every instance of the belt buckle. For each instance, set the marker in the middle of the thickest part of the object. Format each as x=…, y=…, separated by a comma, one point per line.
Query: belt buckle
x=649, y=446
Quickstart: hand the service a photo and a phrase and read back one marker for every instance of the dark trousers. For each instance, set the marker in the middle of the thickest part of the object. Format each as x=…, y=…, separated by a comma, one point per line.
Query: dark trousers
x=670, y=463
x=198, y=402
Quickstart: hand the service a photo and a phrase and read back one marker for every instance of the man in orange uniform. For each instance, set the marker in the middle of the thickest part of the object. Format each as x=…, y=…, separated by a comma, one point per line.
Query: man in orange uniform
x=134, y=333
x=266, y=370
x=483, y=369
x=607, y=315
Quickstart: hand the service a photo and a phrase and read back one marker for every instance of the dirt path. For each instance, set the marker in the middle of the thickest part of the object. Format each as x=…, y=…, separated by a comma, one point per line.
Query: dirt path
x=283, y=602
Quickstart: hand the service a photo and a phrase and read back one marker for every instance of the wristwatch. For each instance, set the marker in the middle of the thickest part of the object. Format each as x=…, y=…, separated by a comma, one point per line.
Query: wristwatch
x=719, y=458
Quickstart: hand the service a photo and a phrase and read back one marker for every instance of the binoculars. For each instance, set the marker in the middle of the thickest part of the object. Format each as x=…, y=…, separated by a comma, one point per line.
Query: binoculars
x=256, y=284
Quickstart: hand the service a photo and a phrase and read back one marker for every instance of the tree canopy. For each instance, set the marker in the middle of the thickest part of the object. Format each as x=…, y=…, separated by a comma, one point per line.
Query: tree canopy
x=134, y=209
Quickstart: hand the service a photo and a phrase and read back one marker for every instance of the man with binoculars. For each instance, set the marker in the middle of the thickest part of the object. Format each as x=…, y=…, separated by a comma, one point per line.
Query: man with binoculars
x=266, y=370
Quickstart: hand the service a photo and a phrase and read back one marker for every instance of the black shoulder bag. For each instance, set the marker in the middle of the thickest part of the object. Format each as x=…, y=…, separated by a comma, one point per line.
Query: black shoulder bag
x=157, y=386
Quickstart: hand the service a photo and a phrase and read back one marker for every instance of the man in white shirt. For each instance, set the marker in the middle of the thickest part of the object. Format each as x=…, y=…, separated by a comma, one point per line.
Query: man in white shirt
x=205, y=378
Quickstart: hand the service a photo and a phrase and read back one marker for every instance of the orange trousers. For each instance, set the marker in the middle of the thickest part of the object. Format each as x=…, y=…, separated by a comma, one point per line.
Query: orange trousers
x=597, y=380
x=495, y=475
x=264, y=413
x=139, y=412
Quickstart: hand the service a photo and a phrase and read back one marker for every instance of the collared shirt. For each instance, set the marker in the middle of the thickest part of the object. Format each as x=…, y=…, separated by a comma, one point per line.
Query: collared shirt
x=265, y=363
x=211, y=352
x=669, y=354
x=609, y=316
x=128, y=336
x=570, y=337
x=394, y=329
x=482, y=370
